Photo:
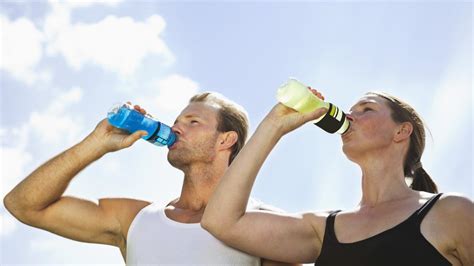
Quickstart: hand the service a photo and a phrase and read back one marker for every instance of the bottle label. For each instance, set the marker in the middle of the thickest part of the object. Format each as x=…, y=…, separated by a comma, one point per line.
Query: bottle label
x=333, y=120
x=162, y=136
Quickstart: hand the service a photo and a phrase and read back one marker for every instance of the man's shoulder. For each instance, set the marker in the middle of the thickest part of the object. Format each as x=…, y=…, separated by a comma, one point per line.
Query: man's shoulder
x=123, y=203
x=125, y=209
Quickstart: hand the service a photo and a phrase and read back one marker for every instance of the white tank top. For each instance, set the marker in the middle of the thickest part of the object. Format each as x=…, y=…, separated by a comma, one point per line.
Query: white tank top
x=155, y=239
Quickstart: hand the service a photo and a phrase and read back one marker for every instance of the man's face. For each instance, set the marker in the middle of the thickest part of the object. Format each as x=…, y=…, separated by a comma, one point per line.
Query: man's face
x=196, y=128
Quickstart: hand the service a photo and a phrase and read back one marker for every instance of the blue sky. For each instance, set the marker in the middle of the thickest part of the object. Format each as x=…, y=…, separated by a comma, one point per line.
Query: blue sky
x=63, y=64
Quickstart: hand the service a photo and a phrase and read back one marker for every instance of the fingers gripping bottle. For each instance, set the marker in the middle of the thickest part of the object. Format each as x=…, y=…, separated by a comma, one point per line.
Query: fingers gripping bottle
x=296, y=95
x=125, y=117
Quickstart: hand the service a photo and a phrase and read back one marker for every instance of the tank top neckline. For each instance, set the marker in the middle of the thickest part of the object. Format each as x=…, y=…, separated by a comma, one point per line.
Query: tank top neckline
x=172, y=222
x=412, y=218
x=169, y=221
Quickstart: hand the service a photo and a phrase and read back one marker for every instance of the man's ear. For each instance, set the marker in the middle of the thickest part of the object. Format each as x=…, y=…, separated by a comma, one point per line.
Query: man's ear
x=227, y=139
x=403, y=132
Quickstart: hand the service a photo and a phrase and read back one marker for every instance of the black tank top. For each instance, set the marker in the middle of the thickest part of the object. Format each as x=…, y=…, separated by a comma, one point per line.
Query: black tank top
x=401, y=245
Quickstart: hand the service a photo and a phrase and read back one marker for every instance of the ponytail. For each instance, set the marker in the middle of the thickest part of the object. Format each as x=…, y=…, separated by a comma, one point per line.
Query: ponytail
x=422, y=180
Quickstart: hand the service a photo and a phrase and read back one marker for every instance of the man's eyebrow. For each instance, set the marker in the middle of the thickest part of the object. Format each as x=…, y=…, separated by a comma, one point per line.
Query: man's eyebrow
x=188, y=116
x=193, y=116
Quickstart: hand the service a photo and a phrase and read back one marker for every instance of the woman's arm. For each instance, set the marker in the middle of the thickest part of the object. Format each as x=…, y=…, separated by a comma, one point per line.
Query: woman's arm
x=458, y=217
x=280, y=237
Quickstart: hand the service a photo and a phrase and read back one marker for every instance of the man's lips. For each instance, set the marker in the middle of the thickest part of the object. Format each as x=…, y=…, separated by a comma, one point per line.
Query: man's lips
x=172, y=147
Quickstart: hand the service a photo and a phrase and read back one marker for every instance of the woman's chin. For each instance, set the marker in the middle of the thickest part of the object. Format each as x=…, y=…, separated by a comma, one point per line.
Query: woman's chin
x=349, y=151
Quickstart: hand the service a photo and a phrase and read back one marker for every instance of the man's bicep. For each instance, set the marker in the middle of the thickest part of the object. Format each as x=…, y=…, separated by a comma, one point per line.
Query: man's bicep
x=80, y=220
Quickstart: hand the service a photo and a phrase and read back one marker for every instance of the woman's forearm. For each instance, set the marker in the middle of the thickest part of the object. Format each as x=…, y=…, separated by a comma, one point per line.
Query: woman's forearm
x=228, y=203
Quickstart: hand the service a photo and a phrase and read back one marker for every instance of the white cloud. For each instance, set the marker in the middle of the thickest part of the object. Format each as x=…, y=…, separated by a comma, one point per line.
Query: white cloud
x=21, y=50
x=116, y=44
x=13, y=159
x=13, y=162
x=12, y=169
x=7, y=225
x=72, y=252
x=78, y=4
x=74, y=95
x=54, y=125
x=175, y=91
x=57, y=21
x=170, y=94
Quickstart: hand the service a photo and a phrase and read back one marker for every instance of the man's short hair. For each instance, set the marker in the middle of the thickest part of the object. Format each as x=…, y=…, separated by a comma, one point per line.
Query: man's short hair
x=231, y=117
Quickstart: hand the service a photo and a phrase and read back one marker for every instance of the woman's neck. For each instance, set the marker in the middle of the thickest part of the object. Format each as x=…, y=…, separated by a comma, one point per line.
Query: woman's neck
x=383, y=181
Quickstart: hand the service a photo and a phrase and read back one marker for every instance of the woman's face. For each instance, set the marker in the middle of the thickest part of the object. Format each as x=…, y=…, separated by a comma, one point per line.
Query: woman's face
x=372, y=128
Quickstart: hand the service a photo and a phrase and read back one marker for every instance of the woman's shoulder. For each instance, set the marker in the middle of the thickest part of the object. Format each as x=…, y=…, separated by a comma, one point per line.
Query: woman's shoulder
x=448, y=202
x=453, y=215
x=455, y=204
x=451, y=208
x=448, y=198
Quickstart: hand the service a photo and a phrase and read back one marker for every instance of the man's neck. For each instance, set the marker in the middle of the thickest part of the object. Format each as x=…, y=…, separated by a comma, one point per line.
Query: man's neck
x=198, y=185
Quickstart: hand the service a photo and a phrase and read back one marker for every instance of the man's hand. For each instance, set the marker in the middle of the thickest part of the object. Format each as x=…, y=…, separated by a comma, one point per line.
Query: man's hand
x=108, y=138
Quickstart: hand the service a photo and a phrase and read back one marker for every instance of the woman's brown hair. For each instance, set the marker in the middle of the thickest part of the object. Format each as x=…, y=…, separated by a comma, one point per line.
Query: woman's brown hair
x=412, y=167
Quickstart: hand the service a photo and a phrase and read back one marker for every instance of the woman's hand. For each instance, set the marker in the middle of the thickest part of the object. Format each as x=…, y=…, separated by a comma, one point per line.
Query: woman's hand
x=287, y=119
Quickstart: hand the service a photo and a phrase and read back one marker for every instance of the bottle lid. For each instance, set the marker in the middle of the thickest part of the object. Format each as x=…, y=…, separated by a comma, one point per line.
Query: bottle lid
x=345, y=126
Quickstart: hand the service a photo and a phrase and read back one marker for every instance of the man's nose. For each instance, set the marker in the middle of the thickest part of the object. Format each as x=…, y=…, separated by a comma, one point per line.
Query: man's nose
x=177, y=129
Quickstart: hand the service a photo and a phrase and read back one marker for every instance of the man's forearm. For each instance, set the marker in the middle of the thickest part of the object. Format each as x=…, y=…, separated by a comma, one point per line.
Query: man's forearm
x=47, y=183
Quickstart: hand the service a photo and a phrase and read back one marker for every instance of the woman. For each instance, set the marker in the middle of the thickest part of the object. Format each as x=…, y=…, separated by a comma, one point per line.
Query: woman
x=394, y=224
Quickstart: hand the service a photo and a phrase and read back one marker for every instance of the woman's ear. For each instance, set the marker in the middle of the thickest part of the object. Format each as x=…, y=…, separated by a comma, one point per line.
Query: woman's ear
x=404, y=132
x=227, y=139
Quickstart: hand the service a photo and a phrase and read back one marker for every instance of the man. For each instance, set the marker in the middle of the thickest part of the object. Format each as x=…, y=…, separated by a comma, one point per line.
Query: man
x=211, y=131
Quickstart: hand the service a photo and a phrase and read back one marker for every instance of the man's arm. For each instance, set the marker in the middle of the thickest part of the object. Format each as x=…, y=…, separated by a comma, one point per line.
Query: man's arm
x=38, y=200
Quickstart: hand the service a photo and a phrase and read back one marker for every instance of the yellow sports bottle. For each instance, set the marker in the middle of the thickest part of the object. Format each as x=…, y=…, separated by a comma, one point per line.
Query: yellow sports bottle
x=297, y=95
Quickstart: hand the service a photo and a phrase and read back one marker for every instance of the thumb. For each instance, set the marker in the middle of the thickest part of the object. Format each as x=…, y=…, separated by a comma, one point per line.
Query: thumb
x=315, y=114
x=130, y=139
